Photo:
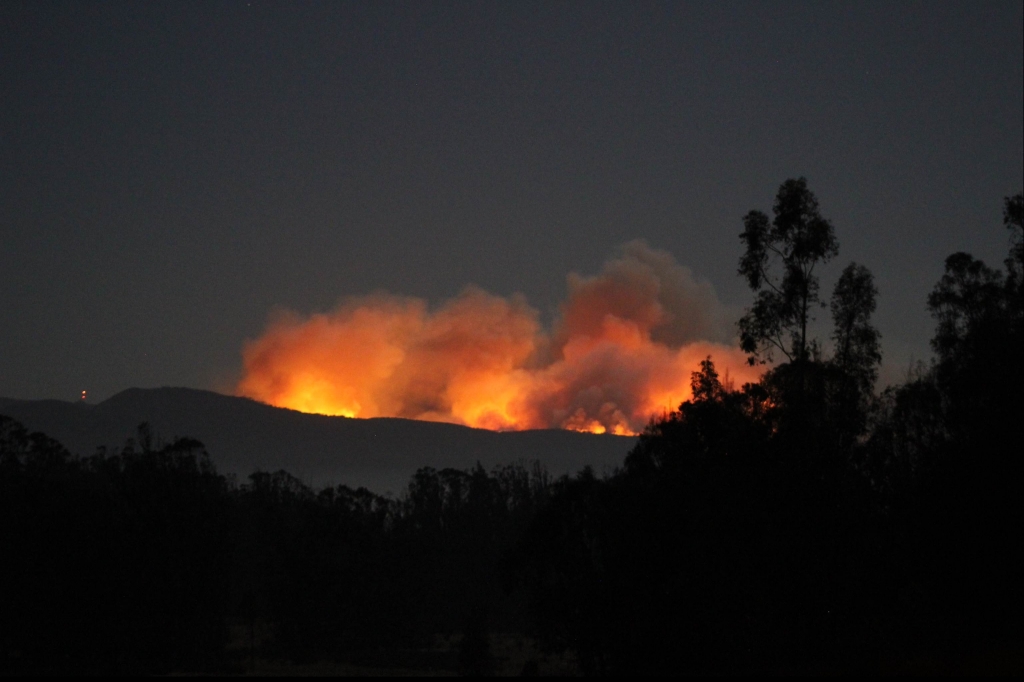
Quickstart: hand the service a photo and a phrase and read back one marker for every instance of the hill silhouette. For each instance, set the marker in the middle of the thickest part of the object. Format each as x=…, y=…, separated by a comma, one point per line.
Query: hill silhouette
x=243, y=436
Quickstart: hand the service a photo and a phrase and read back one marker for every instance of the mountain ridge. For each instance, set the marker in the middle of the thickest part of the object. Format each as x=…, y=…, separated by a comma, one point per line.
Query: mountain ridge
x=243, y=435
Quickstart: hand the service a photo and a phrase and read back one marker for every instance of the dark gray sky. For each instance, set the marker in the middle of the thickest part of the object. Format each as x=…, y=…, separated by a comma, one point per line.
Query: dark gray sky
x=169, y=172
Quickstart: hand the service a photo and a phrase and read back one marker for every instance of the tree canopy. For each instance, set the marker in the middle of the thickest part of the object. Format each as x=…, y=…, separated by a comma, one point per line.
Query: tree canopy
x=779, y=265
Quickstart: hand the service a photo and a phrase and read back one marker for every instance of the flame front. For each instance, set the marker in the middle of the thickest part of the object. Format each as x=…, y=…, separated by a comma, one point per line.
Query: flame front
x=621, y=351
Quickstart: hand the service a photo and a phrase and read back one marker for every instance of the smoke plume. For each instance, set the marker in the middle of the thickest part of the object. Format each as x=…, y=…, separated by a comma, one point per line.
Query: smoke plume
x=621, y=351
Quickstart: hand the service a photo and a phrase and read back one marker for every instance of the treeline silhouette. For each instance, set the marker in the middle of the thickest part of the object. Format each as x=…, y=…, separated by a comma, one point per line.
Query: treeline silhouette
x=803, y=524
x=146, y=559
x=799, y=524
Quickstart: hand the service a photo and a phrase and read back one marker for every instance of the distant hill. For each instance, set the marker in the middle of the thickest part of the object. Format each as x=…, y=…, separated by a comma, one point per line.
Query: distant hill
x=243, y=435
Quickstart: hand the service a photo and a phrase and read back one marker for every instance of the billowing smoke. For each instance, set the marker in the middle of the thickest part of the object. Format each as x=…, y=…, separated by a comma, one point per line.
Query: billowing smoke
x=621, y=351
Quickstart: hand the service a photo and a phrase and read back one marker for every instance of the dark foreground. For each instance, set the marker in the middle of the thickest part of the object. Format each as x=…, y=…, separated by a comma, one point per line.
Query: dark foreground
x=802, y=524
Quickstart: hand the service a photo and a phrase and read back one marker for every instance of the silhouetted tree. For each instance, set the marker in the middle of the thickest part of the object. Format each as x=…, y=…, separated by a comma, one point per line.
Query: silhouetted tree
x=857, y=341
x=857, y=349
x=779, y=264
x=705, y=386
x=966, y=301
x=1013, y=219
x=907, y=429
x=112, y=563
x=945, y=449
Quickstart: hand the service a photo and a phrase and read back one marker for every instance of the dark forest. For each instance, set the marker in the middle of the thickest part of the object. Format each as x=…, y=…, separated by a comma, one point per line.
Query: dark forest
x=802, y=524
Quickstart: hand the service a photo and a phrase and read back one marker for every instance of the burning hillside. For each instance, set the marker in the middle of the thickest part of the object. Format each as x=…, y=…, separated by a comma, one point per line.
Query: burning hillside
x=620, y=351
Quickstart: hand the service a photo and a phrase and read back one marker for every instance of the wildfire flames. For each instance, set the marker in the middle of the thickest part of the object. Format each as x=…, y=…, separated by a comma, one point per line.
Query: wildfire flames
x=621, y=351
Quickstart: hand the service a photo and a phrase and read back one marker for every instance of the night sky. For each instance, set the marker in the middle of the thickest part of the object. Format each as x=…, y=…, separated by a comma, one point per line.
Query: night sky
x=172, y=172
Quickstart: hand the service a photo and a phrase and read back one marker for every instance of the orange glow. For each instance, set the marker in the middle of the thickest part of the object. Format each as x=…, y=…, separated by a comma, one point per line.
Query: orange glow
x=622, y=350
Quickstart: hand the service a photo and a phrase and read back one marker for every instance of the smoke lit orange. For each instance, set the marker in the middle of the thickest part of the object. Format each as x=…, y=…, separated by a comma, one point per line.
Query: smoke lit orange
x=621, y=351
